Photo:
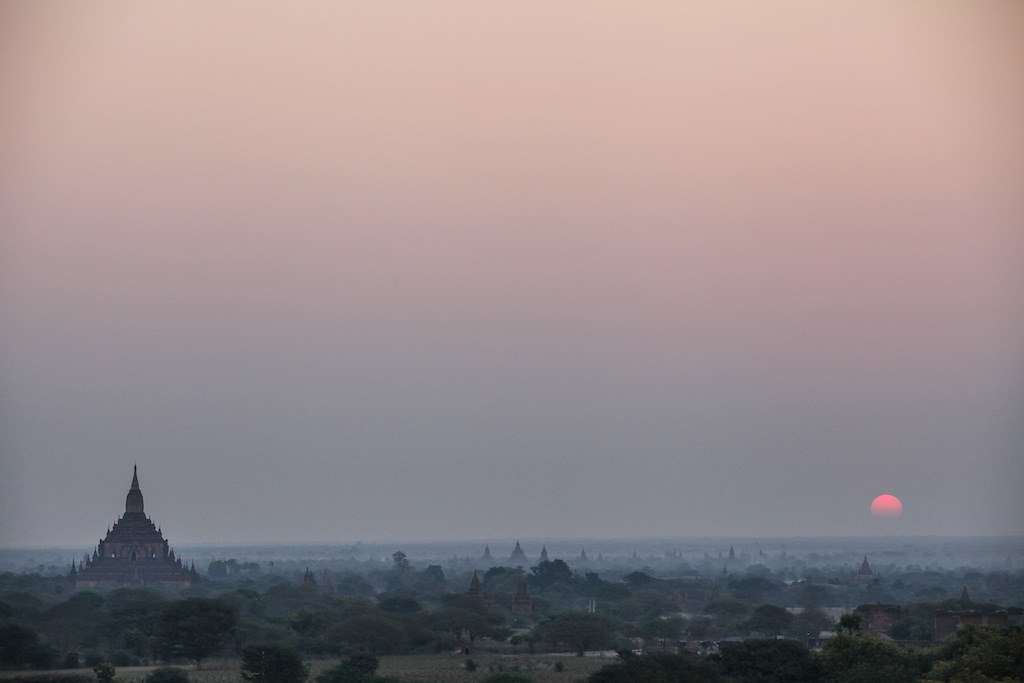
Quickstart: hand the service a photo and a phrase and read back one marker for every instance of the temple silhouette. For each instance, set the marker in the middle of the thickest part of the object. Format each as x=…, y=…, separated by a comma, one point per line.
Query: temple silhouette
x=133, y=553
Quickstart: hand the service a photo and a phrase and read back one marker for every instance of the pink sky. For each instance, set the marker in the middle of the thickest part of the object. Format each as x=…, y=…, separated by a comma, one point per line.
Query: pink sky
x=346, y=252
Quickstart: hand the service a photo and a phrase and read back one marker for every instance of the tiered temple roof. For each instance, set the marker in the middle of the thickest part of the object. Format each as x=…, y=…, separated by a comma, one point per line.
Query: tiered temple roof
x=133, y=553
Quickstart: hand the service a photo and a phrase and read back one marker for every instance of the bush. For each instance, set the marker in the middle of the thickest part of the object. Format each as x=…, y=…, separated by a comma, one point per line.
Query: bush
x=70, y=661
x=363, y=662
x=93, y=658
x=272, y=664
x=358, y=667
x=104, y=672
x=167, y=674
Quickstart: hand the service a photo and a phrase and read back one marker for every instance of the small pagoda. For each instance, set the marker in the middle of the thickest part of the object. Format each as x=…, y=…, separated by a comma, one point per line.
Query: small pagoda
x=518, y=557
x=522, y=602
x=865, y=573
x=133, y=553
x=476, y=591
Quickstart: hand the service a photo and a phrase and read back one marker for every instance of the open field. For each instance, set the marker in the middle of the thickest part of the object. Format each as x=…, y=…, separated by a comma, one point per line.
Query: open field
x=421, y=668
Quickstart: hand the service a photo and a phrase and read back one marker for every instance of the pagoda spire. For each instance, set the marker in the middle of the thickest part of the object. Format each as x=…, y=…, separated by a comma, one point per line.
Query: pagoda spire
x=134, y=503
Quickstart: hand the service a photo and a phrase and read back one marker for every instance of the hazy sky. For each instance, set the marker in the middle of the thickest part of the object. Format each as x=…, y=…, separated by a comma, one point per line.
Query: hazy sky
x=337, y=271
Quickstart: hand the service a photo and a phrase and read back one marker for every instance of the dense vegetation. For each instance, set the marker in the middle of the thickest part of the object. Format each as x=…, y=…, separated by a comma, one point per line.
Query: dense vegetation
x=745, y=625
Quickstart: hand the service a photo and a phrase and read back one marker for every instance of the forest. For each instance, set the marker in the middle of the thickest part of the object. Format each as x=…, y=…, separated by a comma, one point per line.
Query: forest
x=550, y=621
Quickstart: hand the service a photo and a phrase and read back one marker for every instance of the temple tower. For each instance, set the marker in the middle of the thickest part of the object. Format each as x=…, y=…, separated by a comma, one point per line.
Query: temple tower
x=134, y=552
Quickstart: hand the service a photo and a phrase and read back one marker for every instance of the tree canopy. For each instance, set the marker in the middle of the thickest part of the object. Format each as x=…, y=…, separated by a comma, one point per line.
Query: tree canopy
x=272, y=663
x=196, y=627
x=578, y=630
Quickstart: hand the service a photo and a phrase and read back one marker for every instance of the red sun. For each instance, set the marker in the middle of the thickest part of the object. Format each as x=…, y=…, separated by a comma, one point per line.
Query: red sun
x=886, y=506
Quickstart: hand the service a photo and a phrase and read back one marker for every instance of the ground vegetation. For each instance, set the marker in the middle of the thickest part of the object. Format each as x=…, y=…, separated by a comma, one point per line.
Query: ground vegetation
x=746, y=622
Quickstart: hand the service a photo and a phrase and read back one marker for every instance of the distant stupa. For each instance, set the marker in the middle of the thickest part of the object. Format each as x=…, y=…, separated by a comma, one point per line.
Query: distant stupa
x=308, y=579
x=518, y=557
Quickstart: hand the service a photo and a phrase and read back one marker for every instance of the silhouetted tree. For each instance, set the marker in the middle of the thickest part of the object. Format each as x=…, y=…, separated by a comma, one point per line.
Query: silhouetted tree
x=360, y=667
x=549, y=572
x=132, y=616
x=579, y=630
x=770, y=620
x=272, y=664
x=196, y=627
x=982, y=654
x=372, y=632
x=865, y=658
x=104, y=672
x=663, y=630
x=759, y=660
x=400, y=563
x=850, y=623
x=20, y=646
x=456, y=621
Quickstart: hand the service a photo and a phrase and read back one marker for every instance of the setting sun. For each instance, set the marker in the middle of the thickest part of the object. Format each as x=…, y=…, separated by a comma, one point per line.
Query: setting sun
x=886, y=505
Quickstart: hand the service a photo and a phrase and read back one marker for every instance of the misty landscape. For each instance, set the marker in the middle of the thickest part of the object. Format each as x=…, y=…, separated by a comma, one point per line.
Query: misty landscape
x=511, y=342
x=799, y=609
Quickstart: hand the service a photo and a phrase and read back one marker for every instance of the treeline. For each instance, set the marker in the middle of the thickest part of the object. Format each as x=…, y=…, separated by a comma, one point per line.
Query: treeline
x=976, y=655
x=405, y=609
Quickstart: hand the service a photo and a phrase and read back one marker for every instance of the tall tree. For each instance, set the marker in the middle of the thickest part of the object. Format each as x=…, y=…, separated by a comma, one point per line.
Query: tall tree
x=982, y=654
x=549, y=572
x=400, y=563
x=196, y=627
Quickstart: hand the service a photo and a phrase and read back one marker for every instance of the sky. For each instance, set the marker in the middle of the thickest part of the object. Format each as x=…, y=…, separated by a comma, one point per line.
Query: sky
x=341, y=271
